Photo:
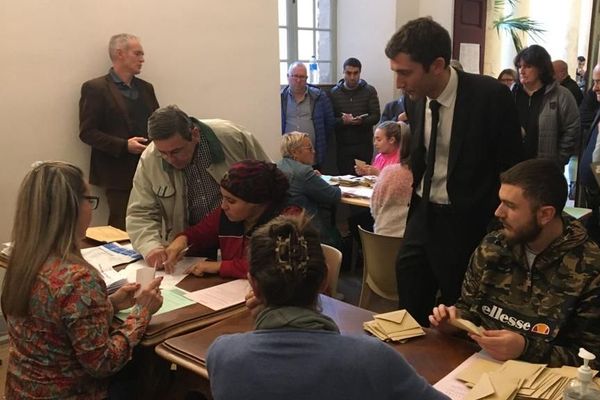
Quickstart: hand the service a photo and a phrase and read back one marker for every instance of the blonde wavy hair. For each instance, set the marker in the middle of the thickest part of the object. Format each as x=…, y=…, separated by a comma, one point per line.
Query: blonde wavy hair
x=45, y=226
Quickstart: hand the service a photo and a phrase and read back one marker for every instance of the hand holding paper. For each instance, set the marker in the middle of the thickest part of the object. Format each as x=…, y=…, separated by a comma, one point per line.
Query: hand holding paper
x=501, y=344
x=466, y=325
x=150, y=296
x=440, y=316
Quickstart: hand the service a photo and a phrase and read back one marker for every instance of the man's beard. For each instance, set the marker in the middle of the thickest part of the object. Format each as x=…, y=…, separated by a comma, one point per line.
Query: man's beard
x=526, y=234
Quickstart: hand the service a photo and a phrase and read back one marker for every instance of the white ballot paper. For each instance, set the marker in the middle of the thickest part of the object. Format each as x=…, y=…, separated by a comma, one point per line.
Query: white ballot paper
x=222, y=296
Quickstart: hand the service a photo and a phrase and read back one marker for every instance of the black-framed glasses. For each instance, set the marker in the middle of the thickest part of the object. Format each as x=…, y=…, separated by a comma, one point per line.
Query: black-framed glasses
x=94, y=201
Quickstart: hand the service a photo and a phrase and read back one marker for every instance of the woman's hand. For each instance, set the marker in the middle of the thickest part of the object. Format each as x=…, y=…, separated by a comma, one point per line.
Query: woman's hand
x=150, y=296
x=204, y=267
x=123, y=297
x=175, y=252
x=254, y=304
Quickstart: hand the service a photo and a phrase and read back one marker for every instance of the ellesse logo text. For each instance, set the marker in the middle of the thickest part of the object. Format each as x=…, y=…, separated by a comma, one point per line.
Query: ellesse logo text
x=499, y=314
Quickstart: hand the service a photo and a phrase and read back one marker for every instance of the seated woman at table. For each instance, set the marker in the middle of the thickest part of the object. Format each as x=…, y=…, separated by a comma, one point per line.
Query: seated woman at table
x=307, y=189
x=61, y=342
x=392, y=193
x=388, y=142
x=254, y=192
x=296, y=352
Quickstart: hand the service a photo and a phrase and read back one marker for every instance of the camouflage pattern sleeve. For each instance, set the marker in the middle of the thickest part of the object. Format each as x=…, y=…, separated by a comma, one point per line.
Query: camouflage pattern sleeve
x=582, y=329
x=470, y=288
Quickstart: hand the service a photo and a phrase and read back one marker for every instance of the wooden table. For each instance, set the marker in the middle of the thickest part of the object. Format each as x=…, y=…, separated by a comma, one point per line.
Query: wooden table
x=433, y=355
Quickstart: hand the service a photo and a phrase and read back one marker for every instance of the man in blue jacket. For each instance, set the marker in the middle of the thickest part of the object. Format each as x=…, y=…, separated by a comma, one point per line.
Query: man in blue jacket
x=306, y=108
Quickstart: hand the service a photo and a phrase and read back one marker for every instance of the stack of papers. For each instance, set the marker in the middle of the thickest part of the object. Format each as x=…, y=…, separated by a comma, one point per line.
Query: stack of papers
x=105, y=257
x=490, y=379
x=395, y=326
x=173, y=299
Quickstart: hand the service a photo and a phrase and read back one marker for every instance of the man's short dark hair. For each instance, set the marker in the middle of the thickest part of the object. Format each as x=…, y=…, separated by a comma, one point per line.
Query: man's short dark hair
x=423, y=40
x=167, y=121
x=352, y=62
x=581, y=58
x=542, y=181
x=538, y=57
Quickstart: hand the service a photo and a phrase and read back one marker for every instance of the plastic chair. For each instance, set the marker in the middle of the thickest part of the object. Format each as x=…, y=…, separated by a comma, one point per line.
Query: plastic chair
x=379, y=266
x=333, y=259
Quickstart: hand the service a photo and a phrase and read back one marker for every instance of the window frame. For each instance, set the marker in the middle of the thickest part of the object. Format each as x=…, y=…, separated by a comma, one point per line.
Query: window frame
x=292, y=36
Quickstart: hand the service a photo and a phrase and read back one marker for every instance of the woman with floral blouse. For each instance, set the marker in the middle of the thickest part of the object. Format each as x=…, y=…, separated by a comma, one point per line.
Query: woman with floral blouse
x=61, y=343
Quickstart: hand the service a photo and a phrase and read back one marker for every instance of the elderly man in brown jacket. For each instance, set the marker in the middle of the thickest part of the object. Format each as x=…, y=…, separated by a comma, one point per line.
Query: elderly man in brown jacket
x=113, y=116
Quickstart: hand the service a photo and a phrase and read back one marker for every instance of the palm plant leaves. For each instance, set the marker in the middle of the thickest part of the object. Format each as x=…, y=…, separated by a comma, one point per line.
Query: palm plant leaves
x=515, y=26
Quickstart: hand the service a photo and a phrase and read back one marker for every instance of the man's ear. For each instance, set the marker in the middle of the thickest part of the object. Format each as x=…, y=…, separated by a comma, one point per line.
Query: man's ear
x=545, y=214
x=438, y=65
x=195, y=134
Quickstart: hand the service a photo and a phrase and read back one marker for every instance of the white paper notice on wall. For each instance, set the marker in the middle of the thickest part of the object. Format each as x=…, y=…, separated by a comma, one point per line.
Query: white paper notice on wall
x=469, y=57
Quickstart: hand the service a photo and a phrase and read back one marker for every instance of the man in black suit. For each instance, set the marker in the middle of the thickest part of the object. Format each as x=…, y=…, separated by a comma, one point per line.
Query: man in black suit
x=473, y=122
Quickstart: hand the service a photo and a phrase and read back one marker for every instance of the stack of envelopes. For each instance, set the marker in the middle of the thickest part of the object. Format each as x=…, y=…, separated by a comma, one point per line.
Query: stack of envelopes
x=492, y=380
x=394, y=326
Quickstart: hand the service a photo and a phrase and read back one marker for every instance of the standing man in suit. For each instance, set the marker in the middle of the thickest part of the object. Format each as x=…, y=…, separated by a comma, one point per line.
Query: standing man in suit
x=465, y=132
x=113, y=117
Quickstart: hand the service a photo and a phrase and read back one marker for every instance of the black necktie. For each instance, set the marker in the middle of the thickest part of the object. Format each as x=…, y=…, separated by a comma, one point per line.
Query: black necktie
x=435, y=118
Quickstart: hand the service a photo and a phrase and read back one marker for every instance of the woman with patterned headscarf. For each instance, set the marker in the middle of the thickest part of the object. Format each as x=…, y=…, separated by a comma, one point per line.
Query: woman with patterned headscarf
x=254, y=192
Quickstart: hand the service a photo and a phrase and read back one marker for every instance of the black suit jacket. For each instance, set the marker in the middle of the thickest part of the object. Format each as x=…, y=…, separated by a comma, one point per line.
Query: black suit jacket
x=485, y=140
x=104, y=124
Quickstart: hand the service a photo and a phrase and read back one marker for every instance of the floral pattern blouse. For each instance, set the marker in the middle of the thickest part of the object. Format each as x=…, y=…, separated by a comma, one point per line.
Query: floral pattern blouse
x=66, y=348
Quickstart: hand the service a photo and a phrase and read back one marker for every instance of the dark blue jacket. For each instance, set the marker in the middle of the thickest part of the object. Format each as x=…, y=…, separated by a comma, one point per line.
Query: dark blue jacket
x=322, y=116
x=392, y=110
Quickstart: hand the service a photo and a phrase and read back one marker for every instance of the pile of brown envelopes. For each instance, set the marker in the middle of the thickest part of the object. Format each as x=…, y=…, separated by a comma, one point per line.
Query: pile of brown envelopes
x=395, y=326
x=492, y=380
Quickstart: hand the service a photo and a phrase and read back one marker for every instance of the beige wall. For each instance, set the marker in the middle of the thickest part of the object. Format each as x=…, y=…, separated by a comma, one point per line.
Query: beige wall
x=212, y=58
x=364, y=29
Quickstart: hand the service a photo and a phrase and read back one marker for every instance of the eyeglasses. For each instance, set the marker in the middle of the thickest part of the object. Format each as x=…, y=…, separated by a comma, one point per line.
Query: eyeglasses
x=94, y=201
x=300, y=77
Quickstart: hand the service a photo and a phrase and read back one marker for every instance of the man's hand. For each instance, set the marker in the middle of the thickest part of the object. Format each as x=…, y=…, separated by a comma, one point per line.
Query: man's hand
x=349, y=119
x=175, y=252
x=135, y=145
x=254, y=304
x=123, y=297
x=156, y=257
x=205, y=267
x=501, y=344
x=440, y=316
x=402, y=117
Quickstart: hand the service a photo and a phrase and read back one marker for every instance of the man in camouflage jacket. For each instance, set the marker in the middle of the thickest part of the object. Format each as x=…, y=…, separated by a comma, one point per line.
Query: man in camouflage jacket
x=534, y=286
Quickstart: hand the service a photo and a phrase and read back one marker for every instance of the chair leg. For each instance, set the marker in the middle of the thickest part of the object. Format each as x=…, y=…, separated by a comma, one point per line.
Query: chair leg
x=365, y=296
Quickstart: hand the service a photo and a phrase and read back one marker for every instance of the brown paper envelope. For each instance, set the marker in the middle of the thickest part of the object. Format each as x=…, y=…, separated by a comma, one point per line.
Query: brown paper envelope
x=506, y=387
x=482, y=390
x=394, y=316
x=373, y=327
x=522, y=370
x=397, y=338
x=473, y=372
x=465, y=325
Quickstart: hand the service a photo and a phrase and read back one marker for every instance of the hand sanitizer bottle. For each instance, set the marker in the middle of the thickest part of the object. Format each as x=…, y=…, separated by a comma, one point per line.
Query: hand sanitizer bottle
x=583, y=387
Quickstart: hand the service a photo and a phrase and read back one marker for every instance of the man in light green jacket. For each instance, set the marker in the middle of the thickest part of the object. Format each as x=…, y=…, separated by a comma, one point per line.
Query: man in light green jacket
x=177, y=178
